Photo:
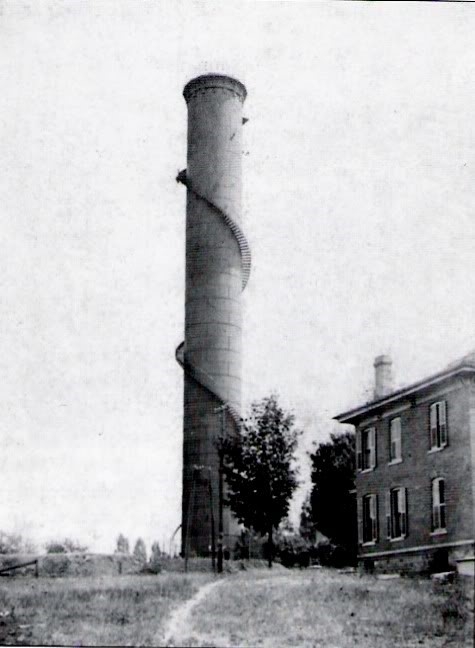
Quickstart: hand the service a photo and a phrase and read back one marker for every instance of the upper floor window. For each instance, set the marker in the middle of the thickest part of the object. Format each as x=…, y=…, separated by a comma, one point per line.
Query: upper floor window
x=438, y=504
x=370, y=518
x=396, y=513
x=395, y=440
x=438, y=425
x=366, y=449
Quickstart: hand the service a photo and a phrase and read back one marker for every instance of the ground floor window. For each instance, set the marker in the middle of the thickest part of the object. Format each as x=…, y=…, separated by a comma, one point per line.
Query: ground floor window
x=370, y=518
x=396, y=513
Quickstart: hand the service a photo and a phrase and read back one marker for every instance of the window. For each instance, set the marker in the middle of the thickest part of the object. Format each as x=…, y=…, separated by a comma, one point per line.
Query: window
x=396, y=513
x=370, y=518
x=438, y=425
x=395, y=440
x=438, y=505
x=366, y=449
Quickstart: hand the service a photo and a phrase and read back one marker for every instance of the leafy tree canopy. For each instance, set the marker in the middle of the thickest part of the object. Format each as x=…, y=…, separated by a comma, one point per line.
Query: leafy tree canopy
x=155, y=553
x=122, y=544
x=259, y=467
x=12, y=543
x=332, y=505
x=140, y=551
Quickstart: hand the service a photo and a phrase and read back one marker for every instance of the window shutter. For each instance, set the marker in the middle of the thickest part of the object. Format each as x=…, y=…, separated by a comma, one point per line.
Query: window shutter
x=374, y=502
x=358, y=450
x=443, y=423
x=359, y=515
x=388, y=514
x=442, y=502
x=395, y=439
x=372, y=435
x=433, y=425
x=435, y=503
x=398, y=440
x=441, y=490
x=391, y=441
x=402, y=506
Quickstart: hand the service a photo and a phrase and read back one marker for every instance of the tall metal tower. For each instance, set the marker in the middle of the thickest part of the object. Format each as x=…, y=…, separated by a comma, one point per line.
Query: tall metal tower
x=218, y=264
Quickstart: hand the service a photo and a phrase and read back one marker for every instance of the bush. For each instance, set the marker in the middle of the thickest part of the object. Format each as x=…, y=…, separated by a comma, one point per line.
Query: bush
x=55, y=548
x=294, y=551
x=330, y=555
x=65, y=546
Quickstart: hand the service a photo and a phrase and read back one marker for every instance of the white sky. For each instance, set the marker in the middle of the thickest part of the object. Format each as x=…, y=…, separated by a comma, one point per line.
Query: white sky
x=358, y=194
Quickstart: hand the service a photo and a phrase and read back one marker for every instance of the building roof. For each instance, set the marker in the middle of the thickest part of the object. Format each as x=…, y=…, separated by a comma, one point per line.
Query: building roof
x=463, y=365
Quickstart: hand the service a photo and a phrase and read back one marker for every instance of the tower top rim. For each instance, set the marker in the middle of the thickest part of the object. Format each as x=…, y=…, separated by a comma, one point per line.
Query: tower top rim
x=214, y=81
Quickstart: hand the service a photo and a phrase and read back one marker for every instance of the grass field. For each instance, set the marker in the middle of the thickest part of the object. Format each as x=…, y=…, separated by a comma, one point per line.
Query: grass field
x=306, y=608
x=333, y=610
x=107, y=610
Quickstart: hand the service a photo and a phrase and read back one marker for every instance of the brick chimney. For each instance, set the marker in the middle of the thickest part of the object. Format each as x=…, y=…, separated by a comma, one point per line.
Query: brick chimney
x=383, y=378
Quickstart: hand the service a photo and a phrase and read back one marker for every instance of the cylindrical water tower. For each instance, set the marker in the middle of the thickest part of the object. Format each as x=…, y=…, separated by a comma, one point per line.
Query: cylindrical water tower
x=217, y=269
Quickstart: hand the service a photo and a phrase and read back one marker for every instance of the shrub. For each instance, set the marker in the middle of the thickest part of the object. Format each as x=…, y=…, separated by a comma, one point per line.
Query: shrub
x=55, y=548
x=294, y=551
x=65, y=546
x=331, y=555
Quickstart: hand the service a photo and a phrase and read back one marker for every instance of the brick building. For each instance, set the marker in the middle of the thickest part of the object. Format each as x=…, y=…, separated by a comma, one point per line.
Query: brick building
x=415, y=481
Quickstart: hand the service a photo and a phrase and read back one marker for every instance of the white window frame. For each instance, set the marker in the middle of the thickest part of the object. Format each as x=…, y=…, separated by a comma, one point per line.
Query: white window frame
x=372, y=500
x=439, y=518
x=396, y=516
x=366, y=447
x=395, y=430
x=438, y=425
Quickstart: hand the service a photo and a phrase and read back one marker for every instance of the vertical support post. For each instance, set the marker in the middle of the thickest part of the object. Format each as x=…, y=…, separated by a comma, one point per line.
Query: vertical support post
x=213, y=539
x=188, y=522
x=221, y=488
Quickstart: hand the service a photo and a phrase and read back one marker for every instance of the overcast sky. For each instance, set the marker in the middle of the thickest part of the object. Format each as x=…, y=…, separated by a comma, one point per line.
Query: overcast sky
x=358, y=206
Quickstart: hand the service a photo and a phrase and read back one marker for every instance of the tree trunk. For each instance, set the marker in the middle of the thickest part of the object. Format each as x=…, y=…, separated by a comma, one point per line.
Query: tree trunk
x=271, y=547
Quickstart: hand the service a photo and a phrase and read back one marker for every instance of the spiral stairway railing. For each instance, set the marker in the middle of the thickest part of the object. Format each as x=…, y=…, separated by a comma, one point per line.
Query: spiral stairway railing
x=197, y=373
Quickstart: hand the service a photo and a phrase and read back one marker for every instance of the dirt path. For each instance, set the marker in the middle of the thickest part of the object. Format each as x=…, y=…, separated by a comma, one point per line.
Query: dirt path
x=177, y=626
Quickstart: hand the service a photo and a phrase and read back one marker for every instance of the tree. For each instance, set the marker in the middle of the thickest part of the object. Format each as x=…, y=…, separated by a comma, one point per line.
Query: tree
x=332, y=505
x=259, y=467
x=73, y=546
x=122, y=544
x=14, y=543
x=155, y=562
x=140, y=551
x=155, y=553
